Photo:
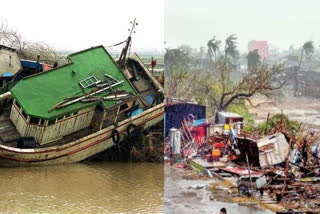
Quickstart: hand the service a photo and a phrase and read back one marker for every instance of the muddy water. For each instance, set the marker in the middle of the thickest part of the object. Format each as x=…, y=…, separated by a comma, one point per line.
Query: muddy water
x=83, y=188
x=184, y=196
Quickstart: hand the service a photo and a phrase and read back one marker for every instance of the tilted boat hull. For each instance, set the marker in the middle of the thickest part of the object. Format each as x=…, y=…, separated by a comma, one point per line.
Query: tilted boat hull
x=79, y=149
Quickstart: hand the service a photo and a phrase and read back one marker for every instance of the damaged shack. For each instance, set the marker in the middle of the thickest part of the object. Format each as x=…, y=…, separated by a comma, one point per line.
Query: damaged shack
x=264, y=152
x=177, y=110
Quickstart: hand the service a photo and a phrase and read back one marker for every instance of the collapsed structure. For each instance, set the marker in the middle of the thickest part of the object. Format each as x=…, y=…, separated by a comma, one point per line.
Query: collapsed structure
x=281, y=163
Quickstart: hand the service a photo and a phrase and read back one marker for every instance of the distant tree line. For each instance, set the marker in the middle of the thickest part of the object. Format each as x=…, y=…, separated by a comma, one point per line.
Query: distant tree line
x=27, y=49
x=207, y=78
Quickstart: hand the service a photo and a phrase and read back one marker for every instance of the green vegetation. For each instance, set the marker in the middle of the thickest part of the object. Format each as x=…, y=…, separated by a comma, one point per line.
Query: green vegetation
x=291, y=125
x=253, y=59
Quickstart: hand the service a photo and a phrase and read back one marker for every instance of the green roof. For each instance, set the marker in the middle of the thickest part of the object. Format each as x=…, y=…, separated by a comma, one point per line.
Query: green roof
x=37, y=94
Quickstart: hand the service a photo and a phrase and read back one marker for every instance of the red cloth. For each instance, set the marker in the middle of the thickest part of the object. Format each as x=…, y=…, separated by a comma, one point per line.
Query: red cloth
x=179, y=165
x=153, y=63
x=198, y=133
x=219, y=145
x=46, y=67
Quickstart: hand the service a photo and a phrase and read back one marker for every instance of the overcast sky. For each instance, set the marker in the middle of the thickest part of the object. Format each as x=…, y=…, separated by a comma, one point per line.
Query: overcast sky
x=77, y=24
x=280, y=22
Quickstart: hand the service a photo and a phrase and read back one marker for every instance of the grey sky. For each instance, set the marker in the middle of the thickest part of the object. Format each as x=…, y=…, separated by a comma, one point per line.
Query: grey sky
x=77, y=24
x=280, y=22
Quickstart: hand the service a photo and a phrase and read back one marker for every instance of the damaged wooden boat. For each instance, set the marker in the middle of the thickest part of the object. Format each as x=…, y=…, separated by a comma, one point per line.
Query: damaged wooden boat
x=75, y=111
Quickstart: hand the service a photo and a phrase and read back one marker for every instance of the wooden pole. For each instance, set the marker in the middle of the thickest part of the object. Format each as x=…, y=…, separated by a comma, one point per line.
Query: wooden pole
x=116, y=118
x=249, y=171
x=152, y=64
x=265, y=130
x=281, y=123
x=286, y=169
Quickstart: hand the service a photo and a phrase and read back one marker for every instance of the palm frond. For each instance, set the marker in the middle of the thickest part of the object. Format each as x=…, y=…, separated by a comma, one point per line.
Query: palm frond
x=308, y=47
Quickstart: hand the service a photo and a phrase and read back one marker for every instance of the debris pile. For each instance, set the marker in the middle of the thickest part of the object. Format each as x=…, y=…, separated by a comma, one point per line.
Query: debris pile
x=144, y=146
x=282, y=164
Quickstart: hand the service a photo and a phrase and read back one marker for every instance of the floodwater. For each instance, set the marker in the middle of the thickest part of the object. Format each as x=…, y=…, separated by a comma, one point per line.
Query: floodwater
x=104, y=187
x=182, y=196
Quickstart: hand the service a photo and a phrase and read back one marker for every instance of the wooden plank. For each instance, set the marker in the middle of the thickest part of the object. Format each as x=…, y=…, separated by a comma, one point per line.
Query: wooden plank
x=209, y=165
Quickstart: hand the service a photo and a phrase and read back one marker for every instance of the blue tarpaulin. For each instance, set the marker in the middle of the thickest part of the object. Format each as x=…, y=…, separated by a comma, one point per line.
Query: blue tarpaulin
x=136, y=112
x=198, y=122
x=7, y=75
x=149, y=98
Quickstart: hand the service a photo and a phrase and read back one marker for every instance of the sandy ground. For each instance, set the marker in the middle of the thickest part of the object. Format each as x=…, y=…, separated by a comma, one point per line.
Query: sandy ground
x=302, y=109
x=191, y=196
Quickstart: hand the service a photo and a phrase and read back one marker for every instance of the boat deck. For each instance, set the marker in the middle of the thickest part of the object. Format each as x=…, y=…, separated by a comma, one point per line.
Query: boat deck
x=8, y=132
x=142, y=83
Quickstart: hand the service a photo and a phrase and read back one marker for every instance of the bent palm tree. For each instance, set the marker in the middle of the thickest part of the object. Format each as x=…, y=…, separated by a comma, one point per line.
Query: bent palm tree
x=308, y=49
x=213, y=48
x=231, y=46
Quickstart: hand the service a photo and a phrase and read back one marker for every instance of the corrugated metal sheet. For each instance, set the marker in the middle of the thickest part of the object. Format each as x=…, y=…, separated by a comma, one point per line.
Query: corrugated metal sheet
x=260, y=182
x=272, y=149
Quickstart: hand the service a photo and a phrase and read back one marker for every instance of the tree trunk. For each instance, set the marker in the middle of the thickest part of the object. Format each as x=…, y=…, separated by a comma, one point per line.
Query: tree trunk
x=296, y=76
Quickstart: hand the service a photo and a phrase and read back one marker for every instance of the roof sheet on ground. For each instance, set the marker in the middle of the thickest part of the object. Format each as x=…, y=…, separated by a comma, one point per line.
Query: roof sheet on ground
x=39, y=93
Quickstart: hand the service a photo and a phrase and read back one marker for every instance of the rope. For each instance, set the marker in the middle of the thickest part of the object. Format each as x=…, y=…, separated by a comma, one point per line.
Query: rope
x=116, y=44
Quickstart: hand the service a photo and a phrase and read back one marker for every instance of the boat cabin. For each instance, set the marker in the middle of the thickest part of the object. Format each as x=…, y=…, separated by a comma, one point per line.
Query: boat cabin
x=88, y=94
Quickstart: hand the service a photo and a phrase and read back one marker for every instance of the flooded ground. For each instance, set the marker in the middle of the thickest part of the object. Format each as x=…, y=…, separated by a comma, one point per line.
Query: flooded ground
x=302, y=109
x=191, y=196
x=104, y=187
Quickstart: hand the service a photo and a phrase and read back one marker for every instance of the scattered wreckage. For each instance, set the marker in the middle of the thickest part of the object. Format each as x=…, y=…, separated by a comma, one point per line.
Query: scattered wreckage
x=282, y=165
